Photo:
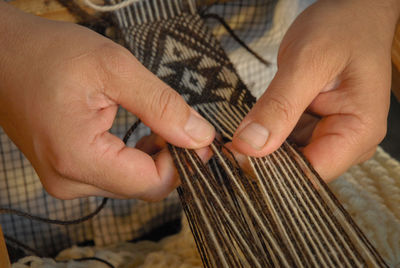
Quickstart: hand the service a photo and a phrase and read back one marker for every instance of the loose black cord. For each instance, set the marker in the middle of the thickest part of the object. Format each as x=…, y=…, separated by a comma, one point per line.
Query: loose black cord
x=75, y=221
x=21, y=245
x=207, y=7
x=131, y=130
x=25, y=247
x=91, y=259
x=234, y=36
x=51, y=221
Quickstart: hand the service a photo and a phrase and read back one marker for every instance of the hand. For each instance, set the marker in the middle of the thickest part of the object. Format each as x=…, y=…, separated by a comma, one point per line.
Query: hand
x=60, y=86
x=335, y=64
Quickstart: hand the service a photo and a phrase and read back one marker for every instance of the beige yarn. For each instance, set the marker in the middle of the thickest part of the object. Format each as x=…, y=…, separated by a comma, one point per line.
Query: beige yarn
x=370, y=192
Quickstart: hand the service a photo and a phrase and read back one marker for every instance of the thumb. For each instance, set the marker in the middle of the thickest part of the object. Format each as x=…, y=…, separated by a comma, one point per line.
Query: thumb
x=276, y=113
x=158, y=106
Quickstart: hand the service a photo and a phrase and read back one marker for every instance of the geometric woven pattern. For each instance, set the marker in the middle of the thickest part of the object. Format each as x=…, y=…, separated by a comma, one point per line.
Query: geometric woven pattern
x=187, y=57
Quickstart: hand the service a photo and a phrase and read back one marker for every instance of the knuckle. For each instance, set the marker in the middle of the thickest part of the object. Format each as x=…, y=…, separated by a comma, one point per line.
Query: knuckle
x=57, y=189
x=106, y=62
x=127, y=193
x=165, y=104
x=380, y=133
x=374, y=129
x=372, y=152
x=313, y=56
x=152, y=197
x=367, y=155
x=366, y=131
x=63, y=195
x=63, y=165
x=115, y=59
x=281, y=106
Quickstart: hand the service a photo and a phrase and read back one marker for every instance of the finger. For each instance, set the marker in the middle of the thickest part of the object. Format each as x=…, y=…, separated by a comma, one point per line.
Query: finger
x=241, y=159
x=366, y=156
x=297, y=82
x=337, y=143
x=126, y=172
x=166, y=169
x=156, y=104
x=67, y=189
x=151, y=144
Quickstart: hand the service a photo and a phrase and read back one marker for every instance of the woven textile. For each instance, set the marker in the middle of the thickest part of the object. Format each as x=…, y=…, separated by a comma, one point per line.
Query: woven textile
x=260, y=23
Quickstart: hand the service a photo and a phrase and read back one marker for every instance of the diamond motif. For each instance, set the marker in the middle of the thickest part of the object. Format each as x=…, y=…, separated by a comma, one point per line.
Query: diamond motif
x=191, y=63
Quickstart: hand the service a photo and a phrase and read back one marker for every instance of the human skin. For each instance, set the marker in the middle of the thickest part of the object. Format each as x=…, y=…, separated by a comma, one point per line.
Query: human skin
x=60, y=87
x=334, y=64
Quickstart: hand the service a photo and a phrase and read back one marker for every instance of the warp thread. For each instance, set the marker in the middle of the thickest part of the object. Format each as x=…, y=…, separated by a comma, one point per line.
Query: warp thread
x=284, y=214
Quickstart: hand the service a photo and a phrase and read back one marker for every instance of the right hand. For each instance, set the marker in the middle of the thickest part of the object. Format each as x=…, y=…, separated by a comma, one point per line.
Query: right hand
x=60, y=86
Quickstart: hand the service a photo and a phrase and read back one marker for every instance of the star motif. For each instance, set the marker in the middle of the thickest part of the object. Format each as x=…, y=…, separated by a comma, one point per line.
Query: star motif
x=190, y=73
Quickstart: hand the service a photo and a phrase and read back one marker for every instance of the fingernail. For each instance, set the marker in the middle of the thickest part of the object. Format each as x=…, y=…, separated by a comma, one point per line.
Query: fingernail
x=255, y=135
x=204, y=153
x=198, y=128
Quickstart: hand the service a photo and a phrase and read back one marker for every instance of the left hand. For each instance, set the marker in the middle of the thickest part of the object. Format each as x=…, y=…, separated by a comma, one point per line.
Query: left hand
x=334, y=62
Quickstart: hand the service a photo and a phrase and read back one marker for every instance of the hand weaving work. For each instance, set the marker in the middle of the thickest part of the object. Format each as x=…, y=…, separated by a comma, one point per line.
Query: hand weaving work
x=275, y=212
x=285, y=216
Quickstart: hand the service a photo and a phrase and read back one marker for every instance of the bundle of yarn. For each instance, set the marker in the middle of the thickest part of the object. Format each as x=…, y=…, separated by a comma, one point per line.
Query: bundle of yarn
x=370, y=192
